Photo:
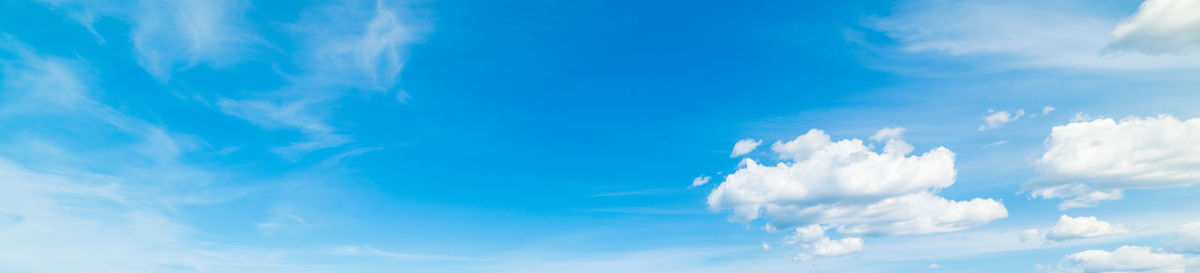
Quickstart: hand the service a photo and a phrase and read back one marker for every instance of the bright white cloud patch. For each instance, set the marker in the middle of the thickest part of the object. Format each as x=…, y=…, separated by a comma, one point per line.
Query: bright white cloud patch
x=813, y=243
x=1160, y=27
x=1126, y=259
x=744, y=146
x=1091, y=161
x=995, y=119
x=1081, y=227
x=1047, y=109
x=847, y=186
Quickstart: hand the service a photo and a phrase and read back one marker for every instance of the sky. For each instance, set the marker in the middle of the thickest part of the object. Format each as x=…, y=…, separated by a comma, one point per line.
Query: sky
x=599, y=136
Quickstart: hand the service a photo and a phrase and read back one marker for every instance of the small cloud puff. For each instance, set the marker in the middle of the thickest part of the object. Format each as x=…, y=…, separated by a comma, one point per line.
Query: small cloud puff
x=1069, y=228
x=813, y=243
x=744, y=146
x=995, y=119
x=700, y=180
x=890, y=133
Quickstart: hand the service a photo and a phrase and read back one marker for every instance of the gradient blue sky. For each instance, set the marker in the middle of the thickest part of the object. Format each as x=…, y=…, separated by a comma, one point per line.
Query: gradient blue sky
x=565, y=136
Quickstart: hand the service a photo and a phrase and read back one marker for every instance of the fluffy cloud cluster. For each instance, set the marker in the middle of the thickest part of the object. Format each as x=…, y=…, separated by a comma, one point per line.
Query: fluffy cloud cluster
x=1160, y=27
x=1070, y=228
x=1091, y=161
x=847, y=186
x=1126, y=259
x=813, y=243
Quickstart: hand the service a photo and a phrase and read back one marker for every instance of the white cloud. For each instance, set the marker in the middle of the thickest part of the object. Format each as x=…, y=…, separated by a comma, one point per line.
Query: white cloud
x=700, y=180
x=279, y=221
x=995, y=119
x=349, y=250
x=1186, y=239
x=1031, y=235
x=342, y=48
x=813, y=243
x=1021, y=35
x=1069, y=228
x=1160, y=27
x=847, y=186
x=297, y=115
x=1047, y=109
x=744, y=146
x=172, y=35
x=1091, y=161
x=886, y=134
x=104, y=203
x=1126, y=259
x=346, y=48
x=935, y=266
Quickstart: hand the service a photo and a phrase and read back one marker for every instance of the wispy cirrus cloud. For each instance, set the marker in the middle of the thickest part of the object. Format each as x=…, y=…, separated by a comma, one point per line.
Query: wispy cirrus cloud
x=169, y=36
x=344, y=49
x=1034, y=34
x=87, y=183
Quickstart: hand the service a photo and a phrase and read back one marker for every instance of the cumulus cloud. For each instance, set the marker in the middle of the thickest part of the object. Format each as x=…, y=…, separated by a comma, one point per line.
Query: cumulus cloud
x=744, y=146
x=1091, y=161
x=847, y=186
x=813, y=243
x=1160, y=27
x=1126, y=259
x=995, y=119
x=1069, y=228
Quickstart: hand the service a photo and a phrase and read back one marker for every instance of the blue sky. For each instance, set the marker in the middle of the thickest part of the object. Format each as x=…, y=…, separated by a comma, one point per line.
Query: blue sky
x=599, y=136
